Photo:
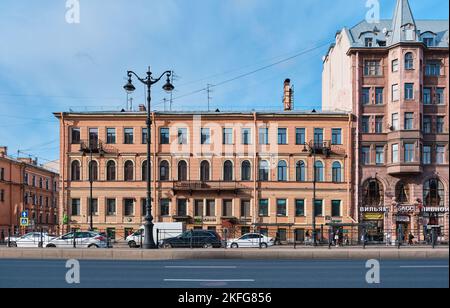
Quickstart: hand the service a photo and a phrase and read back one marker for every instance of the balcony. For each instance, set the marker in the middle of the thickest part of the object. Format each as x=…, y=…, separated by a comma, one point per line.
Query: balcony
x=404, y=168
x=97, y=147
x=324, y=148
x=196, y=186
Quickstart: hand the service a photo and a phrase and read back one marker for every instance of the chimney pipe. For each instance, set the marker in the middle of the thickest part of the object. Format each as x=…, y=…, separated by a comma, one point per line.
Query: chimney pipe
x=3, y=151
x=142, y=108
x=287, y=98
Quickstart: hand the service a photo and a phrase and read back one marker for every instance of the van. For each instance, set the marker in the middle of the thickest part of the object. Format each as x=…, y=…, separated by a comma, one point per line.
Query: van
x=161, y=231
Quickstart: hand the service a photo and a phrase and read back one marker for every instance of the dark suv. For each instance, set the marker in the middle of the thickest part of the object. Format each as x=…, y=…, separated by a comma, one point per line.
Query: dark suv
x=194, y=239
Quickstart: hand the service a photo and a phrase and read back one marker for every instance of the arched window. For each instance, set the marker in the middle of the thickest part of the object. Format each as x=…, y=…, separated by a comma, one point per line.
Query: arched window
x=228, y=171
x=264, y=170
x=204, y=171
x=144, y=171
x=164, y=171
x=373, y=193
x=300, y=171
x=246, y=173
x=433, y=193
x=319, y=171
x=75, y=171
x=93, y=171
x=111, y=171
x=128, y=171
x=409, y=61
x=337, y=172
x=282, y=171
x=182, y=171
x=401, y=192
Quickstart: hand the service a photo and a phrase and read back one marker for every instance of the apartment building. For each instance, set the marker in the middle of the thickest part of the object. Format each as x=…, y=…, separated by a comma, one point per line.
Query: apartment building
x=393, y=76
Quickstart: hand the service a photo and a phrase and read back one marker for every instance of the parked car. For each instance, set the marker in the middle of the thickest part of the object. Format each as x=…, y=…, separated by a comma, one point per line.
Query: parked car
x=84, y=239
x=194, y=239
x=30, y=240
x=161, y=231
x=251, y=240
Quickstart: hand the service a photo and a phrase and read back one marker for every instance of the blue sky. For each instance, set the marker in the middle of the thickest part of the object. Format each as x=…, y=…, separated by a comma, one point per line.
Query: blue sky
x=48, y=65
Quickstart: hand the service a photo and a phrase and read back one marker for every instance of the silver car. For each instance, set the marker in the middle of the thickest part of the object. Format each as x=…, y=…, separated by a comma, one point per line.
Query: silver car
x=30, y=240
x=83, y=239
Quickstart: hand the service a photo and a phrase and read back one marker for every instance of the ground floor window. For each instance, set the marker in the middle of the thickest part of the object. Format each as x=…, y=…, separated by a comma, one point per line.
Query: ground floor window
x=245, y=230
x=299, y=235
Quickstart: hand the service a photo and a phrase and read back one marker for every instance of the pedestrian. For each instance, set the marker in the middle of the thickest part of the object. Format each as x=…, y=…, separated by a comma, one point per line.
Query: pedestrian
x=346, y=240
x=307, y=238
x=336, y=239
x=2, y=238
x=410, y=239
x=388, y=239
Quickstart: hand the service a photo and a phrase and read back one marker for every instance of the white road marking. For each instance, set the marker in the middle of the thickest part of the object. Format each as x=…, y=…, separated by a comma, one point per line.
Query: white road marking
x=424, y=266
x=202, y=267
x=209, y=280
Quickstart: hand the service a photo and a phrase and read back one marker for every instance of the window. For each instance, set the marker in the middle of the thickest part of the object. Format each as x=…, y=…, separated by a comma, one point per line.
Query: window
x=164, y=171
x=246, y=136
x=75, y=171
x=433, y=193
x=227, y=208
x=372, y=68
x=409, y=91
x=246, y=171
x=401, y=192
x=440, y=96
x=379, y=124
x=440, y=154
x=379, y=96
x=365, y=98
x=373, y=194
x=2, y=195
x=245, y=208
x=409, y=152
x=129, y=207
x=182, y=171
x=440, y=124
x=198, y=208
x=427, y=96
x=282, y=171
x=93, y=171
x=395, y=93
x=164, y=205
x=205, y=136
x=365, y=155
x=365, y=124
x=263, y=207
x=264, y=135
x=33, y=181
x=395, y=157
x=428, y=41
x=93, y=206
x=433, y=68
x=227, y=136
x=319, y=171
x=318, y=208
x=111, y=135
x=395, y=122
x=264, y=171
x=204, y=171
x=282, y=136
x=182, y=136
x=110, y=207
x=318, y=137
x=409, y=61
x=210, y=208
x=336, y=136
x=300, y=136
x=337, y=172
x=228, y=171
x=144, y=136
x=409, y=120
x=336, y=208
x=2, y=174
x=75, y=135
x=426, y=155
x=144, y=171
x=301, y=171
x=93, y=138
x=128, y=171
x=395, y=65
x=164, y=135
x=379, y=155
x=75, y=207
x=368, y=42
x=128, y=135
x=281, y=207
x=299, y=208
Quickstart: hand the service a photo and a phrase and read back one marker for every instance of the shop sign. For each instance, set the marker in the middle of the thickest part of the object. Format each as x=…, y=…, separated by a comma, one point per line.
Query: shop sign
x=406, y=209
x=435, y=209
x=373, y=209
x=403, y=219
x=373, y=216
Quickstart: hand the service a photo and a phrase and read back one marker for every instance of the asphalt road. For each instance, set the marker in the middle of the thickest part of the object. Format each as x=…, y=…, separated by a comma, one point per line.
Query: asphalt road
x=224, y=274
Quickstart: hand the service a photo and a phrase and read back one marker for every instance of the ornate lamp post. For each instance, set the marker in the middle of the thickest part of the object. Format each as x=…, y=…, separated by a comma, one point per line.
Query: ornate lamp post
x=149, y=242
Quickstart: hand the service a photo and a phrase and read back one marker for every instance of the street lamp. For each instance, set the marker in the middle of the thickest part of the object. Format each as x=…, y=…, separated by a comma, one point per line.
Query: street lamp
x=149, y=242
x=312, y=150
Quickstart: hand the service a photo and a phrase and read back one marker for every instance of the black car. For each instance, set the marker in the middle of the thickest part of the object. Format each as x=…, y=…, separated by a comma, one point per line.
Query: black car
x=194, y=239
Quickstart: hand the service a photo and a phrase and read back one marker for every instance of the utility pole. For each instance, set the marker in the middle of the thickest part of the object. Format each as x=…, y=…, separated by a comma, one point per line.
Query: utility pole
x=208, y=93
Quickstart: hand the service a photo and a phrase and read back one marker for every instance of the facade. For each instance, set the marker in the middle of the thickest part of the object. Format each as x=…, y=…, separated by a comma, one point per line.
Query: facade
x=394, y=76
x=211, y=170
x=25, y=186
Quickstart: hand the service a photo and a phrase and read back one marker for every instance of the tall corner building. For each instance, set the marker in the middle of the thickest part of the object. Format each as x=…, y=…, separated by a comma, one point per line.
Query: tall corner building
x=393, y=75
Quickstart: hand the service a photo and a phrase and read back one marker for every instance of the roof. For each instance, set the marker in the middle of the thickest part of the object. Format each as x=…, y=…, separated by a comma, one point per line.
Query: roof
x=36, y=166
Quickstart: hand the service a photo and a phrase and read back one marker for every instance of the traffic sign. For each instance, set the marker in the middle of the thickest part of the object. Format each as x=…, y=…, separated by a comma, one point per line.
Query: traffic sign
x=24, y=222
x=24, y=214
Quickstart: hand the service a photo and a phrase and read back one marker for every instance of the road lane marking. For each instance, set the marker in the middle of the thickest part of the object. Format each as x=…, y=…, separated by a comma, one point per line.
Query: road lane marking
x=202, y=267
x=209, y=280
x=424, y=266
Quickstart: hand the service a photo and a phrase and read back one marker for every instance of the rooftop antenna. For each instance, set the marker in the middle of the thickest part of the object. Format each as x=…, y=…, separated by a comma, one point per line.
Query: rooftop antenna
x=165, y=103
x=208, y=93
x=174, y=77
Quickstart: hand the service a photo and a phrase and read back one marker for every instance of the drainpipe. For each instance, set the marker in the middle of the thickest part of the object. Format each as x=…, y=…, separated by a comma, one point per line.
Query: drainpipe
x=255, y=174
x=351, y=207
x=65, y=205
x=153, y=129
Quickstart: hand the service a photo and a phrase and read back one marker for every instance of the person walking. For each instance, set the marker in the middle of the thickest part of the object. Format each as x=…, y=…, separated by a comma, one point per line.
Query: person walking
x=410, y=239
x=336, y=239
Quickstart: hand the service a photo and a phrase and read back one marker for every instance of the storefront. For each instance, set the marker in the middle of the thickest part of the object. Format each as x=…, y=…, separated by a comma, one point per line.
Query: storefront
x=373, y=218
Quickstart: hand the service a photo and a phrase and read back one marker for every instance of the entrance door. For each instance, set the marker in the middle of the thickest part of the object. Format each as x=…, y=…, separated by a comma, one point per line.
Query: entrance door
x=402, y=231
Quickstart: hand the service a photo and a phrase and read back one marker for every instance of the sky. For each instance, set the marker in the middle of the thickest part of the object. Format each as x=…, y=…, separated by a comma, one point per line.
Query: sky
x=49, y=65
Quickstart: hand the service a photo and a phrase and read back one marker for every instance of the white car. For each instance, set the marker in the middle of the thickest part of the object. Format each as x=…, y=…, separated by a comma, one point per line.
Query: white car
x=251, y=240
x=83, y=239
x=161, y=231
x=30, y=240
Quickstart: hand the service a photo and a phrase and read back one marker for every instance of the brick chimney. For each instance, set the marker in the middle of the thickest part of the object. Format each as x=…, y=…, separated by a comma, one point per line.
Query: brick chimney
x=3, y=151
x=287, y=96
x=142, y=108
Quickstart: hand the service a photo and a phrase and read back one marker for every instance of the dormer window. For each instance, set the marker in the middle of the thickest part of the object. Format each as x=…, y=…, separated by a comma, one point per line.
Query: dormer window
x=368, y=42
x=428, y=41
